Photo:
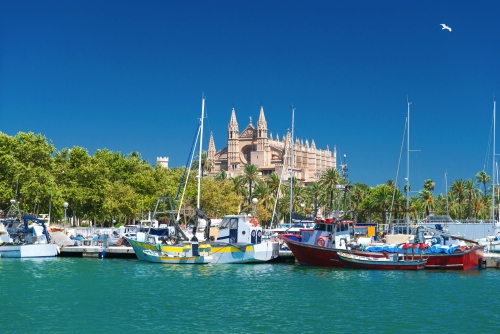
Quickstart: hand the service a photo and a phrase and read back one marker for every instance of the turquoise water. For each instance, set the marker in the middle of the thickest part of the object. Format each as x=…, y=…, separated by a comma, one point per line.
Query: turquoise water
x=77, y=295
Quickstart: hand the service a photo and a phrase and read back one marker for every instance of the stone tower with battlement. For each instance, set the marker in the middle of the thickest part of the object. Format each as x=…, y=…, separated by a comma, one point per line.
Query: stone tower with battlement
x=162, y=162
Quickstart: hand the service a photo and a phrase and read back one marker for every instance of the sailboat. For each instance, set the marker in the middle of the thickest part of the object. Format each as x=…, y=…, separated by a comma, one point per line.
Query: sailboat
x=186, y=251
x=239, y=239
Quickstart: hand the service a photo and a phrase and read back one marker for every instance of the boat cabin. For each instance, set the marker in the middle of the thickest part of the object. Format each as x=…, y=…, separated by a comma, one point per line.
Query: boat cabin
x=329, y=233
x=240, y=229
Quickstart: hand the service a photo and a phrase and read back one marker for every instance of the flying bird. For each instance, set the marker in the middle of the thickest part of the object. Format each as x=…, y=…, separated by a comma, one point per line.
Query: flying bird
x=445, y=27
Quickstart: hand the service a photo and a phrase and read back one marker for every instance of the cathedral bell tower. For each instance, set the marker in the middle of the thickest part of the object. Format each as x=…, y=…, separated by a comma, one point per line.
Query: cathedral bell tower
x=261, y=155
x=233, y=159
x=261, y=130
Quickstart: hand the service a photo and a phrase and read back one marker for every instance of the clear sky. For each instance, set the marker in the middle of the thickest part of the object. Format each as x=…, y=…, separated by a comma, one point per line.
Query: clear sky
x=129, y=76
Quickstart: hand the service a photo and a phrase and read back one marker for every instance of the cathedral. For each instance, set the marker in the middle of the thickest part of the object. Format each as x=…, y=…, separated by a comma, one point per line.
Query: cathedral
x=270, y=155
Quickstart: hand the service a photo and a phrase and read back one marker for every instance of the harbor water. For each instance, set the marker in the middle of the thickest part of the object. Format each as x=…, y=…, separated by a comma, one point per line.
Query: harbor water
x=78, y=295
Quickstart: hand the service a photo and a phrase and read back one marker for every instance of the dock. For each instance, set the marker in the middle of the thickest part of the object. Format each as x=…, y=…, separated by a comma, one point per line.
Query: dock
x=98, y=252
x=492, y=260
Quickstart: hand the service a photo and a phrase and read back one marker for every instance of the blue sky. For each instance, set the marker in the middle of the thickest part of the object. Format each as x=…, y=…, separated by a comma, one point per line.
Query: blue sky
x=129, y=76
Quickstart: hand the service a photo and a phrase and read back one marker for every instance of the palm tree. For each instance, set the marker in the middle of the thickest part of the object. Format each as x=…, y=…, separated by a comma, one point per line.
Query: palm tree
x=380, y=199
x=314, y=192
x=427, y=200
x=222, y=175
x=471, y=192
x=273, y=181
x=239, y=185
x=483, y=178
x=478, y=205
x=429, y=185
x=329, y=180
x=359, y=193
x=458, y=190
x=206, y=163
x=251, y=174
x=265, y=197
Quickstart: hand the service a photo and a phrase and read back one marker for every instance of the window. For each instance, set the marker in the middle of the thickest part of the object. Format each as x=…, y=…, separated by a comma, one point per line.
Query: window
x=320, y=227
x=224, y=223
x=234, y=223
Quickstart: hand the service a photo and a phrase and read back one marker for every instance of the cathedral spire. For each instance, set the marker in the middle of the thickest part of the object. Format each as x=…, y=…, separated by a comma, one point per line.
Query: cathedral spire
x=211, y=143
x=233, y=124
x=211, y=148
x=261, y=123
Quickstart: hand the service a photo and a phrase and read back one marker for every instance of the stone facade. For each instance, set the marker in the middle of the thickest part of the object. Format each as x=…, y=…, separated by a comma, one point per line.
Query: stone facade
x=270, y=155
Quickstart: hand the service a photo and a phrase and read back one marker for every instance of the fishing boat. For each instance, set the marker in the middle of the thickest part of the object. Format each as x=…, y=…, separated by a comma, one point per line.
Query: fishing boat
x=391, y=262
x=239, y=241
x=319, y=246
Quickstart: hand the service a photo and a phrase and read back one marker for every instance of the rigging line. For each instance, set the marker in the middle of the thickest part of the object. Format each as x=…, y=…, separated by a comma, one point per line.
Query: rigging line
x=190, y=161
x=207, y=134
x=399, y=163
x=487, y=158
x=285, y=156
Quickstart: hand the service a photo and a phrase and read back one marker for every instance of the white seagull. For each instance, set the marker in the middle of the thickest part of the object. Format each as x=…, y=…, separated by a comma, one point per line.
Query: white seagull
x=445, y=27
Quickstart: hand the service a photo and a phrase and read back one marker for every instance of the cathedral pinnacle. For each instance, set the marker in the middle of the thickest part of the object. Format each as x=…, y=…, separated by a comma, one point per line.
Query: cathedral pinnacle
x=261, y=123
x=233, y=124
x=211, y=144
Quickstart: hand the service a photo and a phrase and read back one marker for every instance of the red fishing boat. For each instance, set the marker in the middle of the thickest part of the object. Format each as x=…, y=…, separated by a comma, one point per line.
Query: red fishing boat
x=319, y=247
x=391, y=262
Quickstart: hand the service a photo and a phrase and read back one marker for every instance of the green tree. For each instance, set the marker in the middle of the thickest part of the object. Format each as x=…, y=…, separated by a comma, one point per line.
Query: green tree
x=217, y=198
x=380, y=199
x=458, y=190
x=427, y=200
x=329, y=180
x=483, y=178
x=251, y=174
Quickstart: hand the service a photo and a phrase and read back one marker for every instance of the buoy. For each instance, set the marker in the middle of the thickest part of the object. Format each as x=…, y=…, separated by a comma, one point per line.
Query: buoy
x=321, y=241
x=254, y=222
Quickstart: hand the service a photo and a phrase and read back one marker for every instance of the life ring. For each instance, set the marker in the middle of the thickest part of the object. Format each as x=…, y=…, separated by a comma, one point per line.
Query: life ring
x=321, y=241
x=254, y=222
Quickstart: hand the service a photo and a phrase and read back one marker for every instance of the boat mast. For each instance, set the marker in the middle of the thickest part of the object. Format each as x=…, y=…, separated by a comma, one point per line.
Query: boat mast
x=493, y=166
x=291, y=168
x=408, y=167
x=201, y=146
x=446, y=190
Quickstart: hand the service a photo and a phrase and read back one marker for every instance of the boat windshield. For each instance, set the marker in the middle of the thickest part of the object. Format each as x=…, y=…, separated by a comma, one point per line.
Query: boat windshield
x=229, y=222
x=323, y=227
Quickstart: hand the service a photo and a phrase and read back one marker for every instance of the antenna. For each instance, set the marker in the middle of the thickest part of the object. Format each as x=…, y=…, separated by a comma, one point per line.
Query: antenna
x=291, y=167
x=494, y=179
x=408, y=164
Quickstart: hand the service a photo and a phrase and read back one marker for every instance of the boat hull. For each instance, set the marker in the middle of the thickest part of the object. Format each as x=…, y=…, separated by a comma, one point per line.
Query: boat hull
x=467, y=260
x=150, y=253
x=306, y=254
x=311, y=255
x=28, y=251
x=368, y=263
x=248, y=253
x=217, y=252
